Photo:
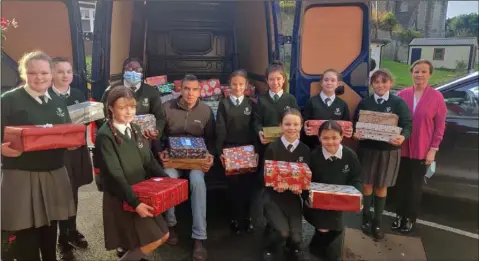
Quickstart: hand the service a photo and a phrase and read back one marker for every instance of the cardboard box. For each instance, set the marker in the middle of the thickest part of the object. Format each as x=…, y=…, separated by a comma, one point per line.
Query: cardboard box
x=240, y=160
x=45, y=137
x=378, y=117
x=86, y=112
x=187, y=147
x=287, y=175
x=335, y=197
x=179, y=163
x=160, y=193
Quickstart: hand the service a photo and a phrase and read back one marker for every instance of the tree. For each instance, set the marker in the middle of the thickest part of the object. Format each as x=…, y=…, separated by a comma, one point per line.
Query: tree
x=388, y=22
x=463, y=26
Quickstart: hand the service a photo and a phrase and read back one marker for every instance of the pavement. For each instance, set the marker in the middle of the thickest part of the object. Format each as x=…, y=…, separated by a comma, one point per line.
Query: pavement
x=447, y=230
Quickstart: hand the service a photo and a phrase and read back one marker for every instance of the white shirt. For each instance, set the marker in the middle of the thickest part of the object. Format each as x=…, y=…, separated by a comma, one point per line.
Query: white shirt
x=36, y=95
x=385, y=97
x=338, y=154
x=137, y=86
x=286, y=143
x=324, y=97
x=59, y=92
x=122, y=128
x=233, y=99
x=271, y=94
x=414, y=103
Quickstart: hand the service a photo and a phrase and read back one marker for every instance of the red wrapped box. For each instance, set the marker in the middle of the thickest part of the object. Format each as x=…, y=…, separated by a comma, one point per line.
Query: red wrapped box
x=250, y=91
x=287, y=175
x=177, y=84
x=335, y=197
x=45, y=137
x=160, y=193
x=210, y=88
x=240, y=160
x=315, y=124
x=156, y=80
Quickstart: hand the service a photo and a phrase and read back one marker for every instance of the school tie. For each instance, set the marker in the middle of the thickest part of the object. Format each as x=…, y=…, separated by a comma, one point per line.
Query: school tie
x=42, y=99
x=290, y=147
x=333, y=158
x=64, y=96
x=328, y=101
x=237, y=102
x=128, y=132
x=276, y=98
x=380, y=100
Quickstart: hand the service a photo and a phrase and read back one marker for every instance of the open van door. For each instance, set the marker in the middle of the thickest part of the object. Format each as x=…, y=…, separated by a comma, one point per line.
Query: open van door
x=330, y=34
x=57, y=34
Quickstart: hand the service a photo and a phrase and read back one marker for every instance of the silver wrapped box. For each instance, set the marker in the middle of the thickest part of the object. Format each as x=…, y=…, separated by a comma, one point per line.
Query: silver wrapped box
x=146, y=122
x=86, y=112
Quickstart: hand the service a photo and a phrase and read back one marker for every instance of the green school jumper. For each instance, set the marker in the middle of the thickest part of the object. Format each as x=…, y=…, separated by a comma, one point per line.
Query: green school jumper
x=268, y=113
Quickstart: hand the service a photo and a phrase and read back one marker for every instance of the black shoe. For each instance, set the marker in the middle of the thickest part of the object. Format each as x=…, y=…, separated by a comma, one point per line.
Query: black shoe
x=397, y=224
x=268, y=256
x=248, y=225
x=234, y=226
x=407, y=226
x=66, y=252
x=120, y=252
x=77, y=240
x=366, y=226
x=377, y=232
x=173, y=238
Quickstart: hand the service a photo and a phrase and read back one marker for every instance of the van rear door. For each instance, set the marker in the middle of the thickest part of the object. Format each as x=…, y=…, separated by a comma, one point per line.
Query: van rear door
x=57, y=34
x=330, y=34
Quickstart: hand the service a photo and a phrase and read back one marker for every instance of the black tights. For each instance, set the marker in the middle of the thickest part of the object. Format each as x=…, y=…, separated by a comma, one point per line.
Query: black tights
x=68, y=226
x=32, y=242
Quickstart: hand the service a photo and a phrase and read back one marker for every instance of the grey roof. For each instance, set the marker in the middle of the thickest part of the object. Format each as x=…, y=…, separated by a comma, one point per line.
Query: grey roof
x=444, y=41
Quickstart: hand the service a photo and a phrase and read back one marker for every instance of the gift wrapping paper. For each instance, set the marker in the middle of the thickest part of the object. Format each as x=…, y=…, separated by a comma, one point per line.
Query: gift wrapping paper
x=375, y=135
x=271, y=133
x=379, y=128
x=316, y=124
x=156, y=80
x=240, y=160
x=168, y=97
x=86, y=112
x=146, y=122
x=179, y=163
x=378, y=117
x=210, y=87
x=287, y=175
x=45, y=137
x=177, y=84
x=335, y=197
x=165, y=88
x=187, y=147
x=160, y=193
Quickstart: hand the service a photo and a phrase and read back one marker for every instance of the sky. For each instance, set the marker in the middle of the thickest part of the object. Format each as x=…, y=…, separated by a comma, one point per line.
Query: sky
x=456, y=8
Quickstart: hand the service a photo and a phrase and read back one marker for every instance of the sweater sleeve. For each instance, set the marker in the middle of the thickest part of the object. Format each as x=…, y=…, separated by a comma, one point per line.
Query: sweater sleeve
x=354, y=178
x=157, y=110
x=154, y=167
x=294, y=103
x=114, y=168
x=258, y=116
x=346, y=116
x=220, y=127
x=6, y=112
x=210, y=130
x=405, y=120
x=356, y=114
x=439, y=122
x=308, y=110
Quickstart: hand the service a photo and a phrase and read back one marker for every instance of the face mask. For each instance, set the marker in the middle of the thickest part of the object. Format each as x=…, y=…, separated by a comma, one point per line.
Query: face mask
x=132, y=78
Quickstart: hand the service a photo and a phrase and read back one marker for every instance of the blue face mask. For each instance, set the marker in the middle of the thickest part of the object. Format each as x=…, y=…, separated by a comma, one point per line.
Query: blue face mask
x=132, y=77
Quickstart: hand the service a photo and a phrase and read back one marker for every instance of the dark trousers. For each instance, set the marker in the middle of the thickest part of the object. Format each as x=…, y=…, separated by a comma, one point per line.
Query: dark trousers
x=241, y=195
x=409, y=187
x=66, y=227
x=328, y=245
x=32, y=242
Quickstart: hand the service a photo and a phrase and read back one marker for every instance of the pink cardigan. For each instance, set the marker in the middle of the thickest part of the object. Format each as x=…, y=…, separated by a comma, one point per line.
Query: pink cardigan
x=428, y=122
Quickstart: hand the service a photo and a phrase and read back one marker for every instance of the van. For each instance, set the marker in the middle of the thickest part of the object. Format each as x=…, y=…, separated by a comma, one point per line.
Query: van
x=207, y=38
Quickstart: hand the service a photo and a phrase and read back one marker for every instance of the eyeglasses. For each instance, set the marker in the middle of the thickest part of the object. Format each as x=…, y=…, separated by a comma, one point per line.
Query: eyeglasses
x=138, y=69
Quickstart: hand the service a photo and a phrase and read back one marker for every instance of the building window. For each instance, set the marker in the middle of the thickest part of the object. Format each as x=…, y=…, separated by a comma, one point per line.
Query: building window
x=439, y=54
x=87, y=19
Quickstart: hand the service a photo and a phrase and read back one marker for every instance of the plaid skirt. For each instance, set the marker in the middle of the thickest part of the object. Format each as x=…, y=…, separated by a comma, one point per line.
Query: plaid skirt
x=380, y=167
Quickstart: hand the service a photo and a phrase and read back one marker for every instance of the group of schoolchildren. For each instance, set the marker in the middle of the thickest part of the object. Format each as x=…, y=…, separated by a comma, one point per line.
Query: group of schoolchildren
x=36, y=192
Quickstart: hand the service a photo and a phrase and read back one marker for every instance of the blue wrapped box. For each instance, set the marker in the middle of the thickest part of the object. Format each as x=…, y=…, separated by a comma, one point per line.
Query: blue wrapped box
x=187, y=147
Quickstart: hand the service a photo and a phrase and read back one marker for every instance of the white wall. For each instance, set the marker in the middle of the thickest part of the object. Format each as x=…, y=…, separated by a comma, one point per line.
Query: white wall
x=452, y=55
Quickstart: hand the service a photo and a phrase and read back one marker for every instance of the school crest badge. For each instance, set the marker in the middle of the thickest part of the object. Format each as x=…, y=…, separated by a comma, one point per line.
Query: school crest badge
x=388, y=109
x=346, y=168
x=60, y=112
x=337, y=112
x=145, y=102
x=140, y=144
x=301, y=159
x=247, y=111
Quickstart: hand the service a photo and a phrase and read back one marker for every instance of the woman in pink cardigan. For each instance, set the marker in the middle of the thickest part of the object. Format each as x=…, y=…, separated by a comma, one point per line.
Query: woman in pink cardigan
x=429, y=121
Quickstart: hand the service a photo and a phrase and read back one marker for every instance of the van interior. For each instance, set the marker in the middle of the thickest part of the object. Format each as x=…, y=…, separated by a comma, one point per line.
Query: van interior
x=208, y=39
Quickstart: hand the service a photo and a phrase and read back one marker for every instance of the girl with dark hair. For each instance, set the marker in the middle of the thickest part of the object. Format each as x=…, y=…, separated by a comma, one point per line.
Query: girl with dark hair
x=332, y=163
x=126, y=159
x=234, y=128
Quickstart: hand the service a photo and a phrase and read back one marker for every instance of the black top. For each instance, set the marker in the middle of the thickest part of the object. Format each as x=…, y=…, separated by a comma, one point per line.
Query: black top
x=268, y=113
x=20, y=108
x=234, y=124
x=394, y=105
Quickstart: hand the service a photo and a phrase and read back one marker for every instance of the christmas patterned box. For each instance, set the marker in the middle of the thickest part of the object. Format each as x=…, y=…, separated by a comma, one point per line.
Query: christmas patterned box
x=287, y=175
x=335, y=197
x=146, y=122
x=214, y=106
x=272, y=133
x=168, y=97
x=165, y=88
x=375, y=135
x=316, y=124
x=240, y=160
x=187, y=148
x=250, y=91
x=177, y=84
x=156, y=80
x=378, y=117
x=210, y=88
x=160, y=193
x=378, y=128
x=45, y=137
x=86, y=112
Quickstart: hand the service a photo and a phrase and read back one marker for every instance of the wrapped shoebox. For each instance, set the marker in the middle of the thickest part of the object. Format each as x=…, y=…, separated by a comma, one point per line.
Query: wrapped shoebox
x=45, y=137
x=177, y=84
x=168, y=97
x=165, y=88
x=377, y=132
x=375, y=117
x=214, y=106
x=187, y=148
x=146, y=122
x=86, y=112
x=379, y=128
x=156, y=80
x=316, y=124
x=210, y=87
x=287, y=175
x=375, y=135
x=160, y=193
x=250, y=91
x=240, y=160
x=335, y=197
x=272, y=133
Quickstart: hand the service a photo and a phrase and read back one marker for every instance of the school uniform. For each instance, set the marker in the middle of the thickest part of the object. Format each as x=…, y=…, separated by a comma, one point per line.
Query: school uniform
x=322, y=107
x=342, y=168
x=234, y=128
x=283, y=211
x=123, y=165
x=38, y=179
